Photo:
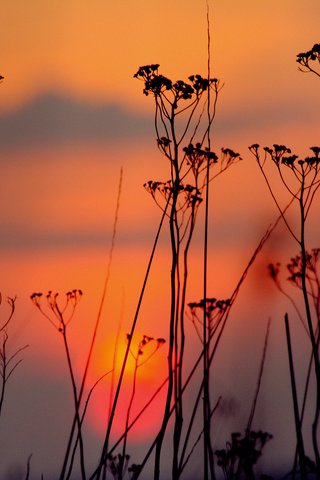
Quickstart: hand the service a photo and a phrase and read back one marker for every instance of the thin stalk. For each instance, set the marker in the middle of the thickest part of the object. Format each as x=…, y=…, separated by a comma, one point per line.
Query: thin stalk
x=178, y=365
x=262, y=363
x=125, y=438
x=310, y=325
x=295, y=403
x=179, y=422
x=207, y=447
x=304, y=402
x=76, y=404
x=115, y=352
x=11, y=302
x=3, y=369
x=28, y=467
x=172, y=357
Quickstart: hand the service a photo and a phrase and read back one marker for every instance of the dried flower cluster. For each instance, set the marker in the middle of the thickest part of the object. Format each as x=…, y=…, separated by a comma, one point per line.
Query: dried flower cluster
x=212, y=308
x=310, y=60
x=58, y=312
x=157, y=84
x=242, y=453
x=118, y=465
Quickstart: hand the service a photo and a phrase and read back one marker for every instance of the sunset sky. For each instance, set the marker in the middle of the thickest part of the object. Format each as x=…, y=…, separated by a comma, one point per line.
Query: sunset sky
x=71, y=115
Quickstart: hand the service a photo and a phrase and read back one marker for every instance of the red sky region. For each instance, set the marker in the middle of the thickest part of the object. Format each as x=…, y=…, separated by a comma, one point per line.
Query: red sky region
x=59, y=178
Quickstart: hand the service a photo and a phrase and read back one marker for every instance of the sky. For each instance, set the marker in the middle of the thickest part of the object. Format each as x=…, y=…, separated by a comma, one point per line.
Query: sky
x=71, y=116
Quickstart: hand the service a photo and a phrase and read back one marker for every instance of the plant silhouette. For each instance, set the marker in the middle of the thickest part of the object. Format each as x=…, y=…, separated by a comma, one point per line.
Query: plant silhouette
x=184, y=114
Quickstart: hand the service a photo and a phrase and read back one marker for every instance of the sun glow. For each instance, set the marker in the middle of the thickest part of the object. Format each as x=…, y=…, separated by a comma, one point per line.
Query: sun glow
x=145, y=357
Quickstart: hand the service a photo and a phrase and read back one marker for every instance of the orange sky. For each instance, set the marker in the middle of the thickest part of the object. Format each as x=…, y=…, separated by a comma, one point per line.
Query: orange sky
x=58, y=181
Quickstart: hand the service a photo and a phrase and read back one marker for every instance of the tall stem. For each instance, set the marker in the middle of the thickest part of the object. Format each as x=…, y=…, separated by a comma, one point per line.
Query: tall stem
x=124, y=448
x=179, y=400
x=309, y=323
x=3, y=370
x=295, y=404
x=172, y=358
x=207, y=447
x=76, y=403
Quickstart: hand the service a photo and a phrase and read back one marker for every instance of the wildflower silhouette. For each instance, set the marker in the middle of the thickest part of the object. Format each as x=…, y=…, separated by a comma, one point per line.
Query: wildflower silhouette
x=300, y=178
x=118, y=466
x=179, y=107
x=241, y=454
x=8, y=362
x=213, y=309
x=60, y=312
x=183, y=139
x=310, y=60
x=294, y=269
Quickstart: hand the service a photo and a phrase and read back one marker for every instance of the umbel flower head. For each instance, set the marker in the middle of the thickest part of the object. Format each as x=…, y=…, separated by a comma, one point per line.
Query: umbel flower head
x=213, y=309
x=156, y=83
x=311, y=55
x=282, y=155
x=58, y=311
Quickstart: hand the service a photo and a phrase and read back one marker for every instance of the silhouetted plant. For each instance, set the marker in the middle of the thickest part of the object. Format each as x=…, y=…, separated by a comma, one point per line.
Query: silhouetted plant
x=213, y=309
x=310, y=60
x=8, y=362
x=117, y=465
x=300, y=177
x=294, y=279
x=183, y=138
x=191, y=168
x=241, y=454
x=60, y=313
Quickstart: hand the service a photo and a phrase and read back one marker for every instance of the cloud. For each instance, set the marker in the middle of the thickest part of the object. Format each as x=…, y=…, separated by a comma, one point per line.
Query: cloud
x=56, y=119
x=263, y=115
x=18, y=238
